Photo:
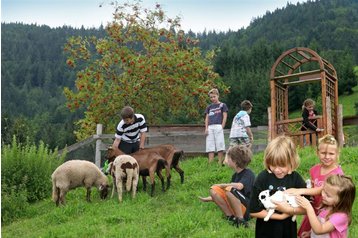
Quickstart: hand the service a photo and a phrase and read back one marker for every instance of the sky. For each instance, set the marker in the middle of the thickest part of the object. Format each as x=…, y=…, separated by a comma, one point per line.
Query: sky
x=196, y=15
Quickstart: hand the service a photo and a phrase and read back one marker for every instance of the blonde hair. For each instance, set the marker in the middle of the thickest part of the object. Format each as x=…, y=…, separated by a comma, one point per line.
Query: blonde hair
x=346, y=192
x=308, y=102
x=329, y=140
x=282, y=152
x=213, y=91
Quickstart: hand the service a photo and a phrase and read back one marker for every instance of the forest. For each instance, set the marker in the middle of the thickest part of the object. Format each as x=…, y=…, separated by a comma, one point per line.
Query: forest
x=34, y=70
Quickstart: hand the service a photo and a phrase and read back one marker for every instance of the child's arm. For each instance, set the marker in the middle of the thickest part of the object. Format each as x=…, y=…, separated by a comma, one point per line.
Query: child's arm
x=224, y=119
x=304, y=191
x=263, y=213
x=206, y=123
x=249, y=133
x=317, y=226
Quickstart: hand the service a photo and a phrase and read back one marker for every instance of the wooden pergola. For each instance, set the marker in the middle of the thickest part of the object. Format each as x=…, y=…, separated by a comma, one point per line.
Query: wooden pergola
x=296, y=67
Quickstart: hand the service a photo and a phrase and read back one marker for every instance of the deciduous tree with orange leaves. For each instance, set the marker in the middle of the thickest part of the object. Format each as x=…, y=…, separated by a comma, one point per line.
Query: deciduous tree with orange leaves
x=145, y=61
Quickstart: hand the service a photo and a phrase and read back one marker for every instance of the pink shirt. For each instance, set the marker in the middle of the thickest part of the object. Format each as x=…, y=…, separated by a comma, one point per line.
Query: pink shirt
x=340, y=222
x=318, y=179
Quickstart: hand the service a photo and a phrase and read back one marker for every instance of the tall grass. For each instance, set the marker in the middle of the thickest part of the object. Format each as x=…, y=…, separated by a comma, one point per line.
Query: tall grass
x=175, y=213
x=25, y=177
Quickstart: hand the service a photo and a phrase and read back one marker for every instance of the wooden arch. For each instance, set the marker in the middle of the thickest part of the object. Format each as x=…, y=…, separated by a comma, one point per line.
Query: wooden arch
x=295, y=67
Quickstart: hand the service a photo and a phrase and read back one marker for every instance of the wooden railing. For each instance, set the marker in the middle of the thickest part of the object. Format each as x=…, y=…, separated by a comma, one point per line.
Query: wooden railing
x=292, y=128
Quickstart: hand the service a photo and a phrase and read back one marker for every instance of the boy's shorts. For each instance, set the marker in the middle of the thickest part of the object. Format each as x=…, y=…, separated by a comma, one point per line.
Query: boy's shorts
x=215, y=140
x=240, y=141
x=222, y=193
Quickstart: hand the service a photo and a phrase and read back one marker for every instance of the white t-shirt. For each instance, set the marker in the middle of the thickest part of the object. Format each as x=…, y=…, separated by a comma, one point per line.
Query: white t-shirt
x=239, y=124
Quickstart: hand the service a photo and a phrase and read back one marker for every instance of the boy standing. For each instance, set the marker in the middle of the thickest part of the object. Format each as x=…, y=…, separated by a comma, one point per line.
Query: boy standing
x=131, y=132
x=240, y=132
x=233, y=198
x=215, y=120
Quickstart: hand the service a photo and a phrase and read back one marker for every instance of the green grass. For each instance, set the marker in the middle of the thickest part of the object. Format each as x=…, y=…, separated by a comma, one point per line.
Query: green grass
x=175, y=213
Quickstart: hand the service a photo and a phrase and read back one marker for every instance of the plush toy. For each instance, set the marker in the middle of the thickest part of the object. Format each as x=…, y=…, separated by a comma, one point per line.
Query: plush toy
x=267, y=196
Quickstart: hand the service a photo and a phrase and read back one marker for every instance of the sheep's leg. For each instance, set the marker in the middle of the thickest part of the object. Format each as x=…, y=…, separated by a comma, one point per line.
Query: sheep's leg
x=62, y=196
x=134, y=186
x=114, y=187
x=119, y=188
x=88, y=196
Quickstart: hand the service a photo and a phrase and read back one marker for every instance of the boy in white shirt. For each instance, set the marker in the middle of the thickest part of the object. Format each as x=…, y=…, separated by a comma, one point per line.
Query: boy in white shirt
x=240, y=132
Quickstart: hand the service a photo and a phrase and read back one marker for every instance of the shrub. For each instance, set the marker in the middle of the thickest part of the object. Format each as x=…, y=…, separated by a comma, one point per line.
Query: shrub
x=25, y=176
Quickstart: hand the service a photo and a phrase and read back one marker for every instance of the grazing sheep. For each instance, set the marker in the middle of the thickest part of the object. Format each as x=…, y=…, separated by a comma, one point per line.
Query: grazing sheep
x=77, y=173
x=171, y=155
x=149, y=163
x=124, y=169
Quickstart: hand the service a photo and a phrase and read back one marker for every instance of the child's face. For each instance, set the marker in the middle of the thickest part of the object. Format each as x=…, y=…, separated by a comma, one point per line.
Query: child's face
x=310, y=107
x=327, y=154
x=330, y=195
x=128, y=121
x=279, y=172
x=214, y=98
x=228, y=161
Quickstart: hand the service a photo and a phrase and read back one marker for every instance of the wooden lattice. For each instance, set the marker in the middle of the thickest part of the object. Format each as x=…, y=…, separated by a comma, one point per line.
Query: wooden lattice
x=296, y=67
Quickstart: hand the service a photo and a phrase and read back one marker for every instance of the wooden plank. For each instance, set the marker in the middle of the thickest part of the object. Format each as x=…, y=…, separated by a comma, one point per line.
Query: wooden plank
x=298, y=74
x=312, y=80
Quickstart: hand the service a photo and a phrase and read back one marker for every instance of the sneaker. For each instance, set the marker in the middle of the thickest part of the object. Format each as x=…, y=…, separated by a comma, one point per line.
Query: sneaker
x=240, y=222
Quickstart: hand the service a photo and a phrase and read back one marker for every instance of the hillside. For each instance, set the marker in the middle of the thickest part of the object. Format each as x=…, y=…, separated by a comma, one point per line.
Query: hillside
x=34, y=69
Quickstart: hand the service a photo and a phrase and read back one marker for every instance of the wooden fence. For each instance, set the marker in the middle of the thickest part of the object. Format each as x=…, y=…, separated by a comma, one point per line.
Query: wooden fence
x=189, y=138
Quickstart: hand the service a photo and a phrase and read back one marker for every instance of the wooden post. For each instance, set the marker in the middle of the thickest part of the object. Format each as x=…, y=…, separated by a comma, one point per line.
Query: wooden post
x=340, y=134
x=98, y=145
x=269, y=131
x=329, y=117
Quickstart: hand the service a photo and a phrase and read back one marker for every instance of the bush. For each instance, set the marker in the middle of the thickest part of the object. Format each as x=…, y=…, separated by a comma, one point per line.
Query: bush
x=25, y=176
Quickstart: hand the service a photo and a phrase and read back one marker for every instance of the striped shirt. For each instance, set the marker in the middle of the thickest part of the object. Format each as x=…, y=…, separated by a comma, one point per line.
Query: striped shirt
x=130, y=132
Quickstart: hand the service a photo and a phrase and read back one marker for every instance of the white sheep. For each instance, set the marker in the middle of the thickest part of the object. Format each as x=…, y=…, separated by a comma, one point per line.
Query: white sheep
x=77, y=173
x=124, y=169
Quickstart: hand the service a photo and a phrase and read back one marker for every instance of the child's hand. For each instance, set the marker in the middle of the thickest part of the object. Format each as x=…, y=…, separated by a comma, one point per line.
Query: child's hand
x=292, y=191
x=303, y=202
x=319, y=129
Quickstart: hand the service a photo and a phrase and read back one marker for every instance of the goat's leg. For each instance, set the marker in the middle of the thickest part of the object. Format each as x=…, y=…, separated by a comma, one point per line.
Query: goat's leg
x=144, y=179
x=152, y=182
x=114, y=187
x=181, y=173
x=168, y=175
x=159, y=173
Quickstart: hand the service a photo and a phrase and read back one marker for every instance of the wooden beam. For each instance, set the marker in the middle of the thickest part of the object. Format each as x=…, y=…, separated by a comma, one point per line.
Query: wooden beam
x=302, y=81
x=298, y=74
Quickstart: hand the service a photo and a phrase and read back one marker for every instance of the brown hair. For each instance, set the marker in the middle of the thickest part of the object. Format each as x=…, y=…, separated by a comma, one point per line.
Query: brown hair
x=282, y=152
x=246, y=105
x=127, y=112
x=241, y=155
x=308, y=102
x=346, y=194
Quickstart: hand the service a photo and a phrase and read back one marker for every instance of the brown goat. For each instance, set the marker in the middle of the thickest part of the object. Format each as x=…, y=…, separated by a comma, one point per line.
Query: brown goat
x=149, y=163
x=171, y=155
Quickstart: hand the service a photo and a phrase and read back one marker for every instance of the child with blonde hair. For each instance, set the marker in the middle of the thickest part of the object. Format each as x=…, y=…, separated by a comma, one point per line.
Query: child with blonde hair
x=215, y=120
x=280, y=160
x=335, y=214
x=328, y=154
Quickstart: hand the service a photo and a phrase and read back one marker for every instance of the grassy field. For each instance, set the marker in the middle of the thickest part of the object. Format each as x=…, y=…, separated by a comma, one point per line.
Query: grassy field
x=175, y=213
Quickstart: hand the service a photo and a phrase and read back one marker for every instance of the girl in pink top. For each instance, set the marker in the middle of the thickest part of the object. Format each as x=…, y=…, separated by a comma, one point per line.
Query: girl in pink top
x=328, y=154
x=335, y=214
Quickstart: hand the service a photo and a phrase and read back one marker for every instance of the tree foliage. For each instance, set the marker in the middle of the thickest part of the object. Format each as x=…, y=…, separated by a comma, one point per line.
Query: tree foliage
x=145, y=61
